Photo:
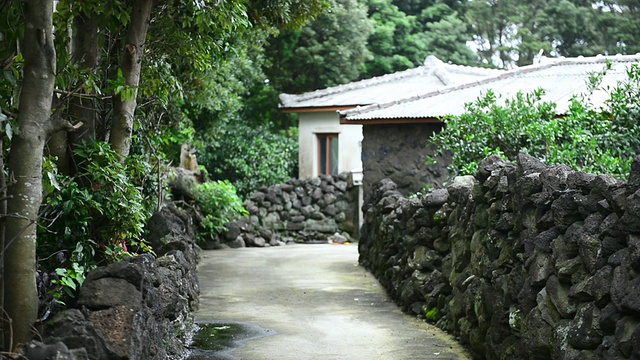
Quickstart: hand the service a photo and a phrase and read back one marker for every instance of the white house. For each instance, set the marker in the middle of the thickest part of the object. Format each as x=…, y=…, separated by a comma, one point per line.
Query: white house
x=329, y=147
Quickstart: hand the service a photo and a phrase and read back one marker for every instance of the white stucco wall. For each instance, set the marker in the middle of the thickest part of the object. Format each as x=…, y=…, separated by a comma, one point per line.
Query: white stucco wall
x=349, y=142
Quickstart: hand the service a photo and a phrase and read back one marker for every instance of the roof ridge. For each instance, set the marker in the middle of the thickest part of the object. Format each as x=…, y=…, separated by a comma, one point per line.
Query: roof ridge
x=431, y=63
x=354, y=84
x=546, y=63
x=505, y=75
x=592, y=59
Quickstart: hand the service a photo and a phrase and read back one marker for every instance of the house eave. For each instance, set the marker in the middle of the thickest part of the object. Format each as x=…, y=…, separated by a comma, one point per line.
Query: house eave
x=314, y=109
x=393, y=121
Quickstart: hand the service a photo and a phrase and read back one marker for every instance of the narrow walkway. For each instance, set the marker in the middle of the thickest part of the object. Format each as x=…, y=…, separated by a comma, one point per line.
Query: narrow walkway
x=318, y=303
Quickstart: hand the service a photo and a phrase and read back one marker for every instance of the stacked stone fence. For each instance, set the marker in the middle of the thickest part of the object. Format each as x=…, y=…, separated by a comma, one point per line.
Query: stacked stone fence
x=139, y=308
x=521, y=261
x=309, y=210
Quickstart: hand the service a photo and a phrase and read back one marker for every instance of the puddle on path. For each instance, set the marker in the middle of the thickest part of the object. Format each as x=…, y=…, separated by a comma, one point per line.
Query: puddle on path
x=215, y=340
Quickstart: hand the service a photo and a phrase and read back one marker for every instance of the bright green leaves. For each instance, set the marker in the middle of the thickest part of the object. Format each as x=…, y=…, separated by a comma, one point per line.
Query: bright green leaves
x=120, y=88
x=219, y=204
x=70, y=280
x=488, y=128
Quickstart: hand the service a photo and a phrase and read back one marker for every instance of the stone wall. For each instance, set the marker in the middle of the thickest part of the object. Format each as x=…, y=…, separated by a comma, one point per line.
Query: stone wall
x=139, y=308
x=302, y=210
x=520, y=261
x=399, y=153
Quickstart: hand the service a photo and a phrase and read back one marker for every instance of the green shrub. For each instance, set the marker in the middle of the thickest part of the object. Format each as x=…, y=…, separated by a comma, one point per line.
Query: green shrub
x=219, y=204
x=599, y=141
x=96, y=217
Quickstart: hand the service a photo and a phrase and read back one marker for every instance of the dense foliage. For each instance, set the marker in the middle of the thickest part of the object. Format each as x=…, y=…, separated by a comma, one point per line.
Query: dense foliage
x=586, y=138
x=501, y=33
x=143, y=75
x=307, y=59
x=97, y=216
x=251, y=157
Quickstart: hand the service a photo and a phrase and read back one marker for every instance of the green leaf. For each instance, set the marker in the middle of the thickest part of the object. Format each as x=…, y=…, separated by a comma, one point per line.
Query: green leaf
x=11, y=79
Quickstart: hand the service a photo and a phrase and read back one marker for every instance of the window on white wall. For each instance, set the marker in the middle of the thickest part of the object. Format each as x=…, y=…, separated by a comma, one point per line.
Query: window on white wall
x=327, y=154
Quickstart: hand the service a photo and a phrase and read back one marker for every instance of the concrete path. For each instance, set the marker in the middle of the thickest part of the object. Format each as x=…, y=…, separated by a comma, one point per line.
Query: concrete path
x=314, y=302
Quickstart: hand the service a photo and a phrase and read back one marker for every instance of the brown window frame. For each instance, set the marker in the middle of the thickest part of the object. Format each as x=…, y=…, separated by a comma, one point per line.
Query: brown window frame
x=325, y=138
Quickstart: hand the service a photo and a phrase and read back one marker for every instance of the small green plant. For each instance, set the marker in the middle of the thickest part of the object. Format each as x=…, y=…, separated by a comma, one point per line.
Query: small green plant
x=439, y=217
x=219, y=204
x=432, y=315
x=70, y=279
x=426, y=189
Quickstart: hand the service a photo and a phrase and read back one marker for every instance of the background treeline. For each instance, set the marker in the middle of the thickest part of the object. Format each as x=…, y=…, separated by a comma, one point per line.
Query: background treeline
x=359, y=39
x=238, y=84
x=375, y=37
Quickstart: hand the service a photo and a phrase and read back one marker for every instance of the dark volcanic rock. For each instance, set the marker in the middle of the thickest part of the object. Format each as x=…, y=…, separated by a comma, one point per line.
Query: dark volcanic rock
x=540, y=262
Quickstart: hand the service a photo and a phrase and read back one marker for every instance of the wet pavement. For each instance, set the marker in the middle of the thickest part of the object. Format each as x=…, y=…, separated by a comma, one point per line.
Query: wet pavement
x=304, y=302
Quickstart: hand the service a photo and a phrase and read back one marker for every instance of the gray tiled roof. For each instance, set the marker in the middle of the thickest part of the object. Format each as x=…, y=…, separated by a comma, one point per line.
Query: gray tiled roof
x=434, y=74
x=561, y=78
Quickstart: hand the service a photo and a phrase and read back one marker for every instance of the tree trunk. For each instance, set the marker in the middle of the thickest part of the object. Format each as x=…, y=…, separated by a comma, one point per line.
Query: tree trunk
x=130, y=63
x=82, y=107
x=3, y=213
x=58, y=146
x=85, y=54
x=25, y=168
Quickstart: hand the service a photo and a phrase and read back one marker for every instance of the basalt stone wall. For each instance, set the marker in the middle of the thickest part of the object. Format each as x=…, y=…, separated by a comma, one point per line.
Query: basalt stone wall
x=302, y=210
x=399, y=153
x=139, y=308
x=521, y=261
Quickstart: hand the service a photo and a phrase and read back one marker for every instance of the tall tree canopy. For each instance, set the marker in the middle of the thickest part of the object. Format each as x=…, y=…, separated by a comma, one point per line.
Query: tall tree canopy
x=509, y=32
x=328, y=51
x=406, y=32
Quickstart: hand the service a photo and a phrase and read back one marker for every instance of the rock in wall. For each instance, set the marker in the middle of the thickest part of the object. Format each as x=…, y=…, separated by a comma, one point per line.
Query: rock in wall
x=521, y=261
x=317, y=209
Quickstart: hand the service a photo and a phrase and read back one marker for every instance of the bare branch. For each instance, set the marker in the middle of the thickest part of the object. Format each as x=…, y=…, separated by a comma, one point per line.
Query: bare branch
x=9, y=114
x=81, y=95
x=63, y=125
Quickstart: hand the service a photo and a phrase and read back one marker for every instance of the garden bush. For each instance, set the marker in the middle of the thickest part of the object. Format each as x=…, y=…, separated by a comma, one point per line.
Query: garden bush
x=596, y=140
x=219, y=204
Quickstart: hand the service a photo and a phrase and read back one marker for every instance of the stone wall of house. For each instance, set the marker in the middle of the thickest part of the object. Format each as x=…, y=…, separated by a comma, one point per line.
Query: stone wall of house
x=521, y=261
x=399, y=153
x=139, y=308
x=317, y=209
